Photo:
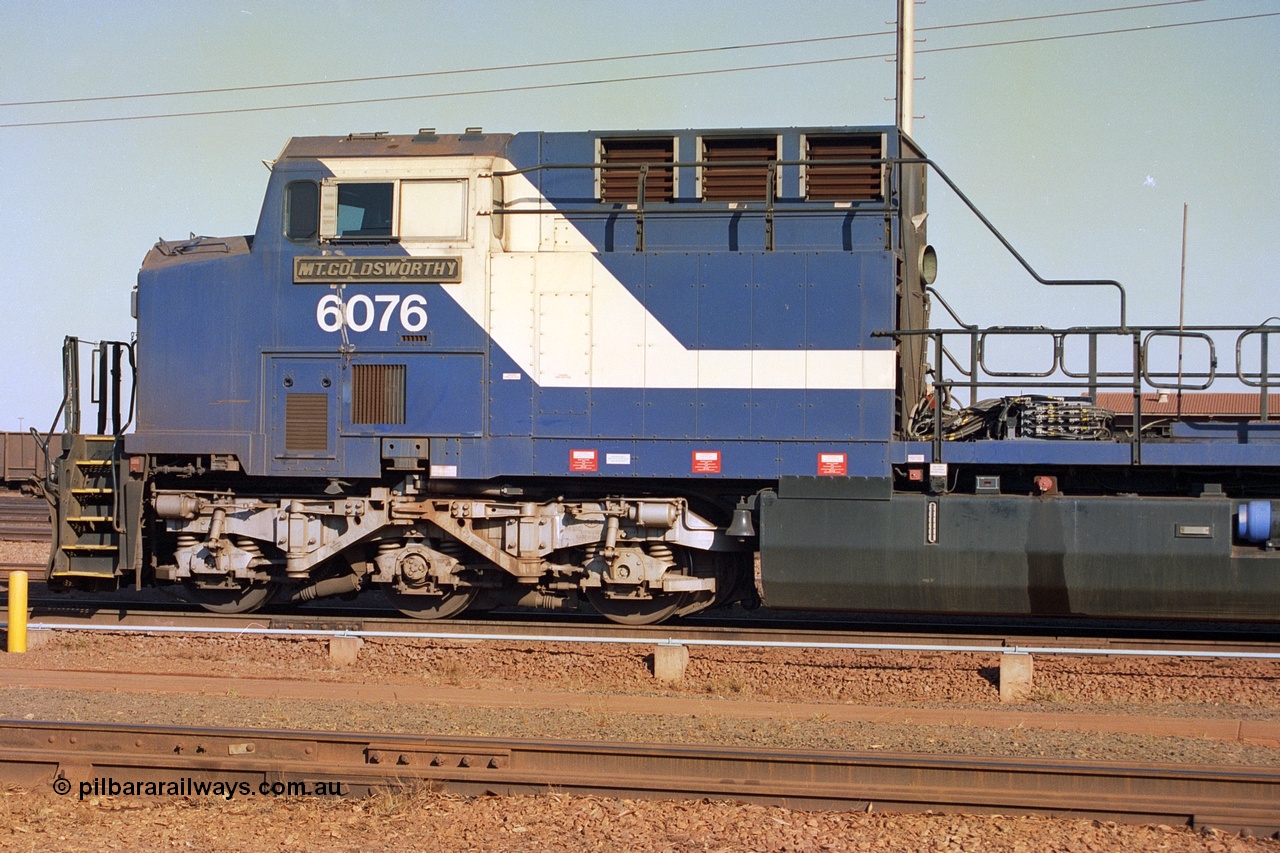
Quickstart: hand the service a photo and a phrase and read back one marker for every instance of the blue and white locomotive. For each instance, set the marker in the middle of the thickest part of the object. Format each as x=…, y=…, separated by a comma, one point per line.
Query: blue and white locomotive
x=485, y=368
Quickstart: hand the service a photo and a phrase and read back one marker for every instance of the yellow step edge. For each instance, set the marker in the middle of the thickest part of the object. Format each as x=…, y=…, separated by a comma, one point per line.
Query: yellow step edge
x=87, y=519
x=92, y=491
x=89, y=548
x=111, y=574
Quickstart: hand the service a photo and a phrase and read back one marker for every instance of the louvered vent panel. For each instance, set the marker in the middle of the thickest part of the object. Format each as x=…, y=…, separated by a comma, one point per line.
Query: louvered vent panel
x=745, y=181
x=377, y=393
x=843, y=181
x=623, y=185
x=306, y=422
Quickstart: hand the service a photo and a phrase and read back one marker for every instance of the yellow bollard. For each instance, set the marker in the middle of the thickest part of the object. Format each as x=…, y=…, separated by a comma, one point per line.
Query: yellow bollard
x=17, y=612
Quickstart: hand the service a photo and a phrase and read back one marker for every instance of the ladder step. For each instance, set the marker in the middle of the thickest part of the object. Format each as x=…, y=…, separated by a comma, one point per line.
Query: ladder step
x=88, y=519
x=94, y=548
x=92, y=491
x=68, y=573
x=93, y=463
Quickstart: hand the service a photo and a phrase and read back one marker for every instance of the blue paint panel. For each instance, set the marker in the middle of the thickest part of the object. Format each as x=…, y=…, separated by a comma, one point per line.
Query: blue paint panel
x=724, y=301
x=361, y=457
x=837, y=415
x=862, y=459
x=445, y=394
x=565, y=187
x=835, y=303
x=617, y=412
x=859, y=228
x=878, y=300
x=699, y=232
x=452, y=452
x=672, y=294
x=658, y=459
x=778, y=301
x=670, y=412
x=177, y=342
x=561, y=412
x=510, y=400
x=777, y=414
x=724, y=413
x=845, y=415
x=506, y=455
x=551, y=458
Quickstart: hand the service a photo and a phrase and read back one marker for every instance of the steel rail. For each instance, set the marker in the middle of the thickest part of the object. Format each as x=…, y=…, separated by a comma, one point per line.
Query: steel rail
x=26, y=532
x=90, y=759
x=24, y=519
x=5, y=568
x=665, y=638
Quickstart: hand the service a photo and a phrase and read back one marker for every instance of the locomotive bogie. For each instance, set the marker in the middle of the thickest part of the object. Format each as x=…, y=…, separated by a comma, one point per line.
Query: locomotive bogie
x=621, y=548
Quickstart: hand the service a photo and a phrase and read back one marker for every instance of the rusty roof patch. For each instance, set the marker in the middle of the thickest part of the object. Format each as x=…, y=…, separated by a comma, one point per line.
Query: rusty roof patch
x=1195, y=404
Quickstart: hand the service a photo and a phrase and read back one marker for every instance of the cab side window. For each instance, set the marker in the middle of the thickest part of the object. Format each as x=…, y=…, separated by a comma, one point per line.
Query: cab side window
x=365, y=210
x=302, y=210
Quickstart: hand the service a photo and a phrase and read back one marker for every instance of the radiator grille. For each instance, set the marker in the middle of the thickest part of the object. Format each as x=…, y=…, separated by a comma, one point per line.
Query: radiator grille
x=748, y=181
x=377, y=393
x=623, y=185
x=306, y=422
x=847, y=181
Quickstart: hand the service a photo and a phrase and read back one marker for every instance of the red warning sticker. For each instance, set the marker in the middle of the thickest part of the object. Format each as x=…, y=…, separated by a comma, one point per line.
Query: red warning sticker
x=706, y=461
x=583, y=460
x=833, y=465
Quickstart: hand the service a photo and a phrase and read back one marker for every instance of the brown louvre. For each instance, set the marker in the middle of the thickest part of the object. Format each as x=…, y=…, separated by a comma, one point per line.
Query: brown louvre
x=306, y=422
x=622, y=185
x=748, y=182
x=843, y=182
x=377, y=393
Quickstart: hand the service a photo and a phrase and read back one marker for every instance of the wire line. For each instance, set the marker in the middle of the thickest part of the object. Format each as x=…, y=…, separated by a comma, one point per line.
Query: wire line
x=615, y=80
x=569, y=62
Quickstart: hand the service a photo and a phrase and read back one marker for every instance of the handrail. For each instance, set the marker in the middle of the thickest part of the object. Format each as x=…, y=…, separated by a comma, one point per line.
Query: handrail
x=1139, y=378
x=973, y=208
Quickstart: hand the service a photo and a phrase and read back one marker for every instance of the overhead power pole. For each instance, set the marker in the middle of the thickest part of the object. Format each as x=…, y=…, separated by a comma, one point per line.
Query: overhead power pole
x=906, y=63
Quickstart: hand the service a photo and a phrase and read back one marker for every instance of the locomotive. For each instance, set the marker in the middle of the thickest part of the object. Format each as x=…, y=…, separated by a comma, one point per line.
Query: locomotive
x=661, y=371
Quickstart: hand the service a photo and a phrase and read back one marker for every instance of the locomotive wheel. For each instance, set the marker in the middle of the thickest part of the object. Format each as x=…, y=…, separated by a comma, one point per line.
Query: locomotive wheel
x=246, y=599
x=441, y=606
x=636, y=611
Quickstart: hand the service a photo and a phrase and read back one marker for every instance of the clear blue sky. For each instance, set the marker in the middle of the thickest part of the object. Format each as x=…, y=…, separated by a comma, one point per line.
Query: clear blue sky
x=1082, y=150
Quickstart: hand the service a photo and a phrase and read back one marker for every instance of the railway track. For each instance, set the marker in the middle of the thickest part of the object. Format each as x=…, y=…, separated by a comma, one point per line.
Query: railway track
x=71, y=758
x=163, y=613
x=161, y=618
x=24, y=519
x=32, y=570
